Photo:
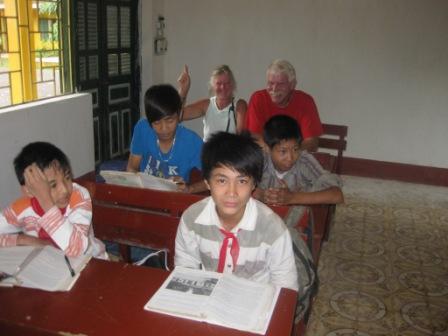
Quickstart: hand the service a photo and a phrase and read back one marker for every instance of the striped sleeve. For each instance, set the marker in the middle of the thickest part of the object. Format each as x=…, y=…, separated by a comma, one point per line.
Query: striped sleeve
x=186, y=249
x=281, y=262
x=10, y=225
x=8, y=231
x=70, y=231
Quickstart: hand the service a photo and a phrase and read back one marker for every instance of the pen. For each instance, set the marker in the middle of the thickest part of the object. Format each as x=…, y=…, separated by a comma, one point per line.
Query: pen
x=70, y=268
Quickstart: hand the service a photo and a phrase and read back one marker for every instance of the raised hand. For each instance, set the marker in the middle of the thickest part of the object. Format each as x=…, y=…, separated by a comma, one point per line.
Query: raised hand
x=184, y=82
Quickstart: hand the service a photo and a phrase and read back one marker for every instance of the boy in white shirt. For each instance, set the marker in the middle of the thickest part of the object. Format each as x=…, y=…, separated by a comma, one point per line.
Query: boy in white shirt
x=230, y=231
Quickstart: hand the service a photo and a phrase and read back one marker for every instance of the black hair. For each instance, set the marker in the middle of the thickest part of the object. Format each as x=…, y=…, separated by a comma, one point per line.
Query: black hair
x=43, y=154
x=281, y=127
x=236, y=151
x=162, y=101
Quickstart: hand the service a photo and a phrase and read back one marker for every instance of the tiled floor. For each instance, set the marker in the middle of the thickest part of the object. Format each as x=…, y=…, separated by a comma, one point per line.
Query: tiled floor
x=384, y=270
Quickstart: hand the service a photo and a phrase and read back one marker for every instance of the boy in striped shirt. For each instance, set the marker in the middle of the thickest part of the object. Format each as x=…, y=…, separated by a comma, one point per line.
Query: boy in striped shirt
x=230, y=231
x=53, y=210
x=293, y=176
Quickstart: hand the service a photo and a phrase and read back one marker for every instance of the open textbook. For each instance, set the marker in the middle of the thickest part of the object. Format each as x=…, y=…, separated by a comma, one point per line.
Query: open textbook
x=138, y=180
x=44, y=268
x=216, y=298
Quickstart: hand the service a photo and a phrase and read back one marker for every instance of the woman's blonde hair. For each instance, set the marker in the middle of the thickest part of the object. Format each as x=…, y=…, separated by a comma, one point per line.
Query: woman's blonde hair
x=221, y=70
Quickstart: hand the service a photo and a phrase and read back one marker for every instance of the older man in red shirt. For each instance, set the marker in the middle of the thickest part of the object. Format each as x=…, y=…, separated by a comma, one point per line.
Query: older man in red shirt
x=280, y=97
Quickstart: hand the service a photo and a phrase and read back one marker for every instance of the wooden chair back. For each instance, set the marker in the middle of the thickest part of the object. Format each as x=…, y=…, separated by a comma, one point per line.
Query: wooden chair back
x=326, y=160
x=334, y=138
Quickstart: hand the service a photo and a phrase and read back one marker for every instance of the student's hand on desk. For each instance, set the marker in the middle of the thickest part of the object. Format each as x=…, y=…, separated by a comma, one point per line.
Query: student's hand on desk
x=36, y=185
x=25, y=240
x=279, y=196
x=181, y=185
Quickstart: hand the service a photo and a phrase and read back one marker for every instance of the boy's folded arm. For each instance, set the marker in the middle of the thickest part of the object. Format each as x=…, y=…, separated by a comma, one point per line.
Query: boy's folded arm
x=21, y=239
x=26, y=240
x=8, y=239
x=331, y=195
x=70, y=232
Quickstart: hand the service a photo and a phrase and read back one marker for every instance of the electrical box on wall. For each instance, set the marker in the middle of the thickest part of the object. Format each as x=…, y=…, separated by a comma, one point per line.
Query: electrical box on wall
x=160, y=42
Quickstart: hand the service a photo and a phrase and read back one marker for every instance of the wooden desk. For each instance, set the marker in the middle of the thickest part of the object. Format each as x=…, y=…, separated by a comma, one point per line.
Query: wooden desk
x=108, y=299
x=140, y=217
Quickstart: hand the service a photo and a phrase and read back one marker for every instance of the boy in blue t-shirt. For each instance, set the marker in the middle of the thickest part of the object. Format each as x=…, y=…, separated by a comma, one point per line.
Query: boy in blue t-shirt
x=160, y=146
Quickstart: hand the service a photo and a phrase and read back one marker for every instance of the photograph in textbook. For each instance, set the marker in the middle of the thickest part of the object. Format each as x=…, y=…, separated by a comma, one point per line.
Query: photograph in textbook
x=216, y=298
x=195, y=286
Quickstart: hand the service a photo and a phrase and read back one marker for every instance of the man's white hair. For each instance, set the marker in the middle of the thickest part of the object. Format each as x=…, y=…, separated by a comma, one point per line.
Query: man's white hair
x=283, y=66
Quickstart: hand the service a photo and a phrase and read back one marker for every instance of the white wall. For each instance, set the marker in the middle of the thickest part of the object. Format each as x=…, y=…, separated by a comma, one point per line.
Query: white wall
x=378, y=66
x=152, y=66
x=64, y=121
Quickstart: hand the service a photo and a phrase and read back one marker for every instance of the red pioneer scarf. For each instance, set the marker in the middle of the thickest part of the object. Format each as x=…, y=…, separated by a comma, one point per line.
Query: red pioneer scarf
x=234, y=250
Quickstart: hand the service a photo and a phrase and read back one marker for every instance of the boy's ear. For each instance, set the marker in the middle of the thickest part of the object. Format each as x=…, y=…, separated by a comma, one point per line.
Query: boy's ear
x=206, y=183
x=254, y=184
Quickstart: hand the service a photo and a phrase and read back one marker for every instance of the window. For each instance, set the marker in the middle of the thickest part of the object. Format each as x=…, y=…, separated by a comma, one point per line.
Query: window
x=48, y=29
x=34, y=50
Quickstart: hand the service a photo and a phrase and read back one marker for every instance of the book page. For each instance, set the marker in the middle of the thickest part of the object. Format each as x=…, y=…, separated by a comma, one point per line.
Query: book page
x=216, y=298
x=48, y=270
x=157, y=183
x=12, y=257
x=242, y=304
x=138, y=180
x=184, y=293
x=126, y=179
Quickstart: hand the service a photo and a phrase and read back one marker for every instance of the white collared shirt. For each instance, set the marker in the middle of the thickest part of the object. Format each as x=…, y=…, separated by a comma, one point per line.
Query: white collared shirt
x=265, y=255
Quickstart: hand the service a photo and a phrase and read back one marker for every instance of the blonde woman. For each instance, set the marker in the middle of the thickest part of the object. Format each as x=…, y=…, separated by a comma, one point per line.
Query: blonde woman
x=221, y=112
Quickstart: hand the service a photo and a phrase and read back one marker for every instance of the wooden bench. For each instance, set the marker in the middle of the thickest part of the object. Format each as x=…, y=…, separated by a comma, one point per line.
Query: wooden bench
x=334, y=138
x=142, y=217
x=137, y=217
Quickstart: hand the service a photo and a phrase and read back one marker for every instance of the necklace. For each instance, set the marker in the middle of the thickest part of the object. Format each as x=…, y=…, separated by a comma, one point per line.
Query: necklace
x=163, y=157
